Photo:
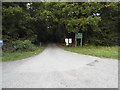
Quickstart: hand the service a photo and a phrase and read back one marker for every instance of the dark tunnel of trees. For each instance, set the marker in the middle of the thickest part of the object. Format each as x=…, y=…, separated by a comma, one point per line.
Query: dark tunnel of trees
x=48, y=22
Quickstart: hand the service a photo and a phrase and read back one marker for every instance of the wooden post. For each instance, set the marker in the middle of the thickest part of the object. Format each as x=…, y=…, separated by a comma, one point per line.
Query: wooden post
x=75, y=42
x=40, y=44
x=68, y=42
x=81, y=42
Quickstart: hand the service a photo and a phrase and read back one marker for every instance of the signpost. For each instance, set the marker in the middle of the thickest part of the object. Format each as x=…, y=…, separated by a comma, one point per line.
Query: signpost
x=78, y=36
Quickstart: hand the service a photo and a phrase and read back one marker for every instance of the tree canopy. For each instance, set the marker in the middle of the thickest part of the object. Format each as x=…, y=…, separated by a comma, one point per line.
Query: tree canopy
x=53, y=21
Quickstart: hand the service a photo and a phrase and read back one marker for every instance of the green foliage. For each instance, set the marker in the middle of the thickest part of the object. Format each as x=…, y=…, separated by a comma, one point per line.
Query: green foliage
x=18, y=46
x=53, y=21
x=99, y=51
x=110, y=16
x=16, y=23
x=7, y=56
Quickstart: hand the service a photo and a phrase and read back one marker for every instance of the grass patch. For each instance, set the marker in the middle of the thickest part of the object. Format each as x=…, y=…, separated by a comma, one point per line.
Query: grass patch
x=20, y=55
x=99, y=51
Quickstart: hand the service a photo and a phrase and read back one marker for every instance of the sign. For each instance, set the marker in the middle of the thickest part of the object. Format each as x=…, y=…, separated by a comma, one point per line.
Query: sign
x=70, y=40
x=78, y=35
x=1, y=42
x=66, y=41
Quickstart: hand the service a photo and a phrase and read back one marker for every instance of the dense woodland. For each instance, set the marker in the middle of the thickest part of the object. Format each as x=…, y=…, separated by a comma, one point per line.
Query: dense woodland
x=46, y=22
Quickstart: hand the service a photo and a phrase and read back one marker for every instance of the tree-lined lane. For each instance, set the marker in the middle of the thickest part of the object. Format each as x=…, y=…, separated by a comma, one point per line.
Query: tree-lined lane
x=56, y=68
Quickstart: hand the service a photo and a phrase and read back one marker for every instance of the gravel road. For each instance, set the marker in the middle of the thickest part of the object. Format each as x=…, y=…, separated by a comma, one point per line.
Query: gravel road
x=57, y=68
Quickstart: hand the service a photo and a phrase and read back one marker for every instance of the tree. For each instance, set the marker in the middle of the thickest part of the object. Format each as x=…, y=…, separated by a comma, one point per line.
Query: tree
x=16, y=23
x=53, y=21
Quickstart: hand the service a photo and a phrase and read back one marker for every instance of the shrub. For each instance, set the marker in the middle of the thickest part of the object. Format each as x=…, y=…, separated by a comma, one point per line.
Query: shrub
x=18, y=45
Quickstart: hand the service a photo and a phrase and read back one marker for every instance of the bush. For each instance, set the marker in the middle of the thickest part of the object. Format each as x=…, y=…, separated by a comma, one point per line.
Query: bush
x=18, y=45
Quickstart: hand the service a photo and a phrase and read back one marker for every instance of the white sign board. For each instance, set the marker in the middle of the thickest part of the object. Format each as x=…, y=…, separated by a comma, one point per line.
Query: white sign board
x=70, y=40
x=66, y=41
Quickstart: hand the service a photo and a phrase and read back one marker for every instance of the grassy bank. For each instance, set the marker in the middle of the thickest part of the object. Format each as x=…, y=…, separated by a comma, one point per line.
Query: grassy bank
x=99, y=51
x=20, y=55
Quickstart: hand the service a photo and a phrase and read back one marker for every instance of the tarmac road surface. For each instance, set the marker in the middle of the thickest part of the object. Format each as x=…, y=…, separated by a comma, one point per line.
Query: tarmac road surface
x=57, y=68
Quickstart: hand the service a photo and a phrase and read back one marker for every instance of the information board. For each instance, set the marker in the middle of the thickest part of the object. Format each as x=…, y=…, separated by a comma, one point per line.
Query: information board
x=78, y=35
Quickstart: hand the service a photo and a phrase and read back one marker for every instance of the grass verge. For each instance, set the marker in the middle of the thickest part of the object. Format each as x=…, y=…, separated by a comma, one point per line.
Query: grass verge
x=99, y=51
x=20, y=55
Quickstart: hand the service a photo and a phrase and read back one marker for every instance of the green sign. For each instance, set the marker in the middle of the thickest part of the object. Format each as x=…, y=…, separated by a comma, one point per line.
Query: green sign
x=78, y=35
